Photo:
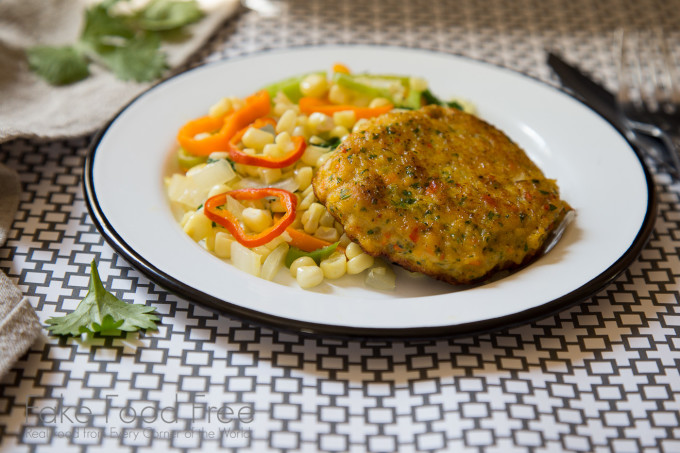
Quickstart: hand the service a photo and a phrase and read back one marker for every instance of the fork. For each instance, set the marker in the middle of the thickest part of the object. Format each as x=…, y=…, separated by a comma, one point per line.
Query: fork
x=649, y=89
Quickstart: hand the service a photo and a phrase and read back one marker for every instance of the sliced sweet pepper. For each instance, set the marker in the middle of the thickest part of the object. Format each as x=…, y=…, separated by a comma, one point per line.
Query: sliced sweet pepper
x=215, y=210
x=310, y=105
x=238, y=156
x=317, y=255
x=219, y=130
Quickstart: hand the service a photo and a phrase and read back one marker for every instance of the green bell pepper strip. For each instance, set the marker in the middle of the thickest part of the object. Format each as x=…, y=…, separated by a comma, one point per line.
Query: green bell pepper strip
x=187, y=160
x=374, y=86
x=317, y=255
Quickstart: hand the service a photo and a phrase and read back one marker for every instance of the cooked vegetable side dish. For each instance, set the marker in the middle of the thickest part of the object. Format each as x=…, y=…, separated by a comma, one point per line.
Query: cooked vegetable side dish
x=329, y=174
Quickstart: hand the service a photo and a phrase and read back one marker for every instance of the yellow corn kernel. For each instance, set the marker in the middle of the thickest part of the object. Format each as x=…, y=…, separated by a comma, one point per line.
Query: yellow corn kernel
x=381, y=277
x=301, y=262
x=198, y=226
x=346, y=118
x=222, y=106
x=329, y=234
x=312, y=154
x=320, y=122
x=303, y=177
x=270, y=175
x=257, y=219
x=339, y=131
x=360, y=124
x=359, y=263
x=236, y=103
x=307, y=201
x=222, y=244
x=379, y=102
x=323, y=158
x=310, y=219
x=309, y=276
x=257, y=138
x=314, y=85
x=307, y=191
x=338, y=95
x=283, y=141
x=335, y=266
x=287, y=122
x=327, y=219
x=353, y=249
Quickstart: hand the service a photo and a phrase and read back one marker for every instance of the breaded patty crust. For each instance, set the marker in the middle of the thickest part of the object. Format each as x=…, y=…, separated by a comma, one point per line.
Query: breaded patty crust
x=441, y=192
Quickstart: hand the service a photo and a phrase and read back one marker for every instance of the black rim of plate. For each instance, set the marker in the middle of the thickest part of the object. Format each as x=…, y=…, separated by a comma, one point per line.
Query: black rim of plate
x=308, y=328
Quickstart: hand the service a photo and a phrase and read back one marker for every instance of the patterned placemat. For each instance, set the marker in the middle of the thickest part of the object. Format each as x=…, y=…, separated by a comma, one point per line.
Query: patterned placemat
x=602, y=376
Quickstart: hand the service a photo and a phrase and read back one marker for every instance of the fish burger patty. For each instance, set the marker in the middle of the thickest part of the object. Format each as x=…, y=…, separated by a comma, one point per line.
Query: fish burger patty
x=441, y=192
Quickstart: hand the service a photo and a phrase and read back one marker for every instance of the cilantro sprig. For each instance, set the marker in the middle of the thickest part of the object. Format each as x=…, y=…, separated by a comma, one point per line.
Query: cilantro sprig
x=100, y=311
x=126, y=44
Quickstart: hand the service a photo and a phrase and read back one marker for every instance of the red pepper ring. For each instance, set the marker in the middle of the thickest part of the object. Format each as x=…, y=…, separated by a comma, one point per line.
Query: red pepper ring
x=238, y=156
x=212, y=210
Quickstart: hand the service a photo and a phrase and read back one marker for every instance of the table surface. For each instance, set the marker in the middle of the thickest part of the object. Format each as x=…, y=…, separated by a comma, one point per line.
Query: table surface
x=602, y=376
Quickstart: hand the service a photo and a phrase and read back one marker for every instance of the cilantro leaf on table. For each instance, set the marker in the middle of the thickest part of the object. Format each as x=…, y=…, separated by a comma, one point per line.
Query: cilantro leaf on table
x=58, y=65
x=127, y=44
x=100, y=311
x=140, y=60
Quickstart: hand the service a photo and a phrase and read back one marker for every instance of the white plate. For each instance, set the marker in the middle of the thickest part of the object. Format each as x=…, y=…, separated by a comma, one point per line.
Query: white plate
x=598, y=172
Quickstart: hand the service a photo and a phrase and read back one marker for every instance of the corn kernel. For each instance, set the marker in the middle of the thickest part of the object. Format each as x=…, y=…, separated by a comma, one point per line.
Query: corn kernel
x=353, y=249
x=329, y=234
x=359, y=263
x=270, y=175
x=283, y=141
x=335, y=266
x=257, y=138
x=272, y=150
x=300, y=131
x=338, y=95
x=310, y=219
x=312, y=154
x=323, y=158
x=320, y=122
x=346, y=118
x=309, y=276
x=286, y=122
x=257, y=219
x=198, y=226
x=327, y=219
x=300, y=262
x=222, y=107
x=307, y=201
x=339, y=132
x=360, y=124
x=314, y=85
x=379, y=102
x=381, y=277
x=303, y=177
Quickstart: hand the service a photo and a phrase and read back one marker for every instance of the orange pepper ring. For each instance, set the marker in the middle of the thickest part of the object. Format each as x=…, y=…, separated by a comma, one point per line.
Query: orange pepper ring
x=229, y=221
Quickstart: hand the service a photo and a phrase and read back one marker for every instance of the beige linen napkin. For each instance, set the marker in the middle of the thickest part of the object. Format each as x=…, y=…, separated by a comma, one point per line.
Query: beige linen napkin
x=19, y=326
x=29, y=107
